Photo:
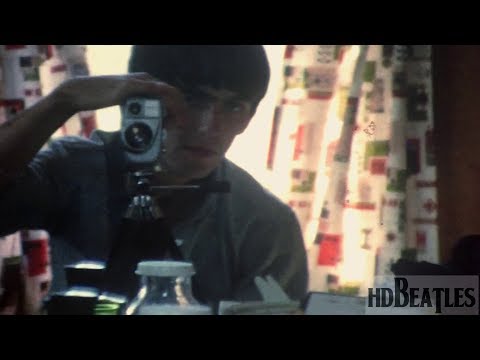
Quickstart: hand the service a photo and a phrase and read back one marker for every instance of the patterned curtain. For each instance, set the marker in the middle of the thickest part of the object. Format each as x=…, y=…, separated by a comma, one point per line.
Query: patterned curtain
x=353, y=134
x=27, y=72
x=69, y=61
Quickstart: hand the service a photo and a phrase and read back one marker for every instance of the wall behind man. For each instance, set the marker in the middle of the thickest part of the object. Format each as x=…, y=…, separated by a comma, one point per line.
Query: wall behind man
x=108, y=60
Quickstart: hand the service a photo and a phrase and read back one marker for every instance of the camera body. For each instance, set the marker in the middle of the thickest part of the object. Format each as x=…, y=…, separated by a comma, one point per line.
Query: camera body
x=141, y=132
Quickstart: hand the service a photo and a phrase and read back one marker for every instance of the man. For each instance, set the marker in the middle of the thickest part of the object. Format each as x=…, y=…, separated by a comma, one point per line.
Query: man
x=72, y=189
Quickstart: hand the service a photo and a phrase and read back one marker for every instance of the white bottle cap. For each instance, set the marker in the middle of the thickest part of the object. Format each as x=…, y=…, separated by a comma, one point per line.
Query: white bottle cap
x=165, y=268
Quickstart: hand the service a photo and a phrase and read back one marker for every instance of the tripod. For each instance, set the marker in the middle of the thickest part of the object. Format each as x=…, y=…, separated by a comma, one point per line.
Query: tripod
x=144, y=207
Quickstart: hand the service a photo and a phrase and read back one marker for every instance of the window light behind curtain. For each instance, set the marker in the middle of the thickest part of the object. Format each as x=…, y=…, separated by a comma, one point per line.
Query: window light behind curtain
x=353, y=133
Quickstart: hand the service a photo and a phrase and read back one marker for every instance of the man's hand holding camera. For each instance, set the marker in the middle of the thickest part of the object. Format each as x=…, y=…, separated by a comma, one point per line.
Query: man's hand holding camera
x=97, y=92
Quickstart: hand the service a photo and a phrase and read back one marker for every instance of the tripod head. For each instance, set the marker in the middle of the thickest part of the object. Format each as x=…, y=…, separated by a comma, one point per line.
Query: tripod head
x=144, y=206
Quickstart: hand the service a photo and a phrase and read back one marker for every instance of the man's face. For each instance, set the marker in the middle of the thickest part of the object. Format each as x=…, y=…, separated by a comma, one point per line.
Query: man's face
x=197, y=146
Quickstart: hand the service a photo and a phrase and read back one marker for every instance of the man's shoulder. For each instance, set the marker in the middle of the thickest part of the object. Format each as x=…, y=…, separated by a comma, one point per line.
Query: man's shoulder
x=249, y=194
x=76, y=145
x=73, y=143
x=73, y=154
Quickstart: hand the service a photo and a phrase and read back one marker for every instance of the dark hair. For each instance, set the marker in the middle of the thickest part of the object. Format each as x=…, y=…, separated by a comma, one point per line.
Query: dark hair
x=240, y=68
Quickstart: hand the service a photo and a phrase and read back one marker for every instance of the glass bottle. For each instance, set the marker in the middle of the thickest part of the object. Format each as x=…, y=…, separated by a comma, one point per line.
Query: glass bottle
x=166, y=290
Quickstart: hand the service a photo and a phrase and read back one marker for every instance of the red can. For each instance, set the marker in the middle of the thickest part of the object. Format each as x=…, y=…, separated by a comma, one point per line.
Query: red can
x=36, y=252
x=35, y=249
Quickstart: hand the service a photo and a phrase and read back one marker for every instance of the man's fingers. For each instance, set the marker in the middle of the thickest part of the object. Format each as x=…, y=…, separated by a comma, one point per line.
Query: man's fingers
x=138, y=87
x=142, y=76
x=171, y=97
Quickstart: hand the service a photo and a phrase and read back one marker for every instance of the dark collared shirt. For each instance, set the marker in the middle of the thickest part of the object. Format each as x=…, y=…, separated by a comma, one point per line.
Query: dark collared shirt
x=230, y=238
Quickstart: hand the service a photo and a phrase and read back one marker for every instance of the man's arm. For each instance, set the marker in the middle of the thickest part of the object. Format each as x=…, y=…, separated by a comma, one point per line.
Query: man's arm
x=273, y=247
x=30, y=192
x=22, y=136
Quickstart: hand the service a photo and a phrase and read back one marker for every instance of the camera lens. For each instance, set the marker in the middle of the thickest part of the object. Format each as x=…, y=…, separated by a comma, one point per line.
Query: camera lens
x=138, y=136
x=134, y=108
